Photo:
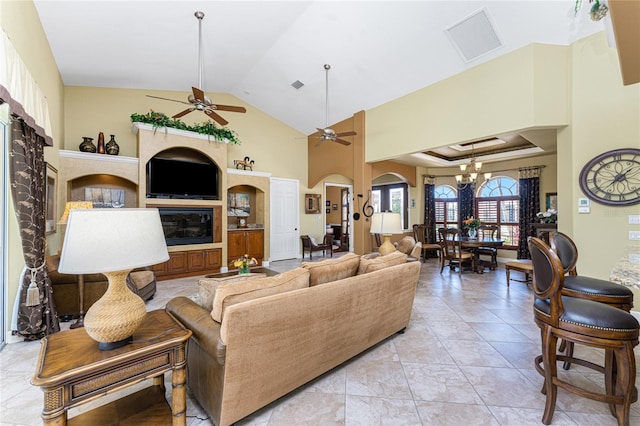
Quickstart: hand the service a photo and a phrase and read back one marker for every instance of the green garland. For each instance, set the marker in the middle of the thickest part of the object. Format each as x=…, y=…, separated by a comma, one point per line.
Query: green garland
x=159, y=119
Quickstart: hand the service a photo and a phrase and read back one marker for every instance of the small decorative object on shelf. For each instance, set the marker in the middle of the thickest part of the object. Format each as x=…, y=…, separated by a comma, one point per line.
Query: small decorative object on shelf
x=87, y=145
x=550, y=216
x=112, y=146
x=472, y=224
x=101, y=148
x=243, y=263
x=245, y=164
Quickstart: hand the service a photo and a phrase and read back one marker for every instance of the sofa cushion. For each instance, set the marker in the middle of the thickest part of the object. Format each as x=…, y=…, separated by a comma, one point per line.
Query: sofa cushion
x=405, y=245
x=230, y=293
x=328, y=270
x=381, y=262
x=207, y=287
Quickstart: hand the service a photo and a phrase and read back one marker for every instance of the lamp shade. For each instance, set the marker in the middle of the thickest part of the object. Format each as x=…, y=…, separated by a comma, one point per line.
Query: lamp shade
x=386, y=223
x=106, y=240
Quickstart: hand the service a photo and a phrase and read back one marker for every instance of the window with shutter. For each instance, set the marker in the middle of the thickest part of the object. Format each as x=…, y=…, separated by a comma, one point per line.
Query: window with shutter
x=497, y=203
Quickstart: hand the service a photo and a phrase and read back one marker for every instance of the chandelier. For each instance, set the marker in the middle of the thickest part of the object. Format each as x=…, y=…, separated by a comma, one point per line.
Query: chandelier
x=471, y=171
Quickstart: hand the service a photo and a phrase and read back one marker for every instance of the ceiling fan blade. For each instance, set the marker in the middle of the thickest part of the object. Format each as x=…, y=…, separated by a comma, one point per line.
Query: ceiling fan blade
x=167, y=99
x=343, y=142
x=228, y=108
x=216, y=117
x=346, y=134
x=183, y=113
x=198, y=94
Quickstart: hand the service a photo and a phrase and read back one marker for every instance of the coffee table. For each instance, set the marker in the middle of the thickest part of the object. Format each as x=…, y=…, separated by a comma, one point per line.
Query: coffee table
x=256, y=270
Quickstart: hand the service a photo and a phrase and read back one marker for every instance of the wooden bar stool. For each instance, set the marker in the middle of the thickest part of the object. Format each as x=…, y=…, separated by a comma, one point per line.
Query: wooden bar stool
x=583, y=322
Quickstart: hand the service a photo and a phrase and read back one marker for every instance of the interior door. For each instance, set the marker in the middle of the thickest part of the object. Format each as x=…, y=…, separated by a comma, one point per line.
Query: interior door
x=345, y=219
x=285, y=220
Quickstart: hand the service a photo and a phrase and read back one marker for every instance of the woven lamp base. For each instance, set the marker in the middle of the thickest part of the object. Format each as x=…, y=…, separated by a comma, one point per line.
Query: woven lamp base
x=114, y=318
x=386, y=247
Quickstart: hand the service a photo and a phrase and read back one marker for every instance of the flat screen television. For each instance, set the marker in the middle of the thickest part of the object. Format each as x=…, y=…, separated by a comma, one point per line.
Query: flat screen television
x=171, y=178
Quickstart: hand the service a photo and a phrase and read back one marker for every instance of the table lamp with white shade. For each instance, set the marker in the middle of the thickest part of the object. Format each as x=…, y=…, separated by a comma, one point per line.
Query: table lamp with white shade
x=386, y=224
x=113, y=242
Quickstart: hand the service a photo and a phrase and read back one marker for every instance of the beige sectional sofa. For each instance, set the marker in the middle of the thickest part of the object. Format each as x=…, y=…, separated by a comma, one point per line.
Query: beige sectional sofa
x=248, y=351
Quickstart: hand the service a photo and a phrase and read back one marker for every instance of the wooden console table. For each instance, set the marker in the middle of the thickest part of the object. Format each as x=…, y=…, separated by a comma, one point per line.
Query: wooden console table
x=71, y=370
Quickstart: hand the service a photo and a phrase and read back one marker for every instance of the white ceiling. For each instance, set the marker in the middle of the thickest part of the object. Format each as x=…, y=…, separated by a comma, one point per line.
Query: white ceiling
x=255, y=50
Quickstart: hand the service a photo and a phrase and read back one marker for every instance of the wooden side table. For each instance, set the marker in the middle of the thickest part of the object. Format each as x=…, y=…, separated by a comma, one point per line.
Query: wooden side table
x=71, y=370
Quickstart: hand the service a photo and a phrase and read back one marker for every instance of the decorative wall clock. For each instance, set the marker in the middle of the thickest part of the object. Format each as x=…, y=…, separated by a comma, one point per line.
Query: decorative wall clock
x=613, y=177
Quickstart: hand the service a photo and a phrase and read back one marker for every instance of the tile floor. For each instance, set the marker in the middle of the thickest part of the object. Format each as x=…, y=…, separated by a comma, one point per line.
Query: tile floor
x=466, y=359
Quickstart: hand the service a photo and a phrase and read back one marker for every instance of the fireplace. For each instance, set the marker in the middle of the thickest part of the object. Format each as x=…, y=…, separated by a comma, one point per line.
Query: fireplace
x=187, y=225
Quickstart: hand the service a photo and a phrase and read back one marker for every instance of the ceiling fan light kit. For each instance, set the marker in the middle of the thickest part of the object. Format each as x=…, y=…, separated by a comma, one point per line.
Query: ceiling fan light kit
x=198, y=100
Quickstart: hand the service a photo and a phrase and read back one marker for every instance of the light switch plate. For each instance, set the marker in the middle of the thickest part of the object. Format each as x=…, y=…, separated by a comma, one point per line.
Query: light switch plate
x=584, y=209
x=634, y=219
x=634, y=235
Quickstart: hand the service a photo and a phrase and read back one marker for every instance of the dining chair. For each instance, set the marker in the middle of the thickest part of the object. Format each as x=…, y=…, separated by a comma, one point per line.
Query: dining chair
x=582, y=287
x=488, y=231
x=584, y=322
x=452, y=250
x=421, y=234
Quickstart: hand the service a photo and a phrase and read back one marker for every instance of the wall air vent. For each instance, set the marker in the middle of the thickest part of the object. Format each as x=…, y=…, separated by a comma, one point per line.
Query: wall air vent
x=297, y=84
x=474, y=36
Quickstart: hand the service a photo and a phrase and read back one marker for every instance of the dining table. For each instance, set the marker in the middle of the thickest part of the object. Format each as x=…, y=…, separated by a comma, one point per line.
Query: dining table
x=473, y=243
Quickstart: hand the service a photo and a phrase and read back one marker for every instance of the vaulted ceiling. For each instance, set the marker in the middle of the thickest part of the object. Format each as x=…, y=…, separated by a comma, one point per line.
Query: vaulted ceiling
x=378, y=50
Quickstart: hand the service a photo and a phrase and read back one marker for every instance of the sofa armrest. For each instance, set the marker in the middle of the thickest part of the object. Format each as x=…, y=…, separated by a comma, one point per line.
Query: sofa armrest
x=416, y=252
x=197, y=319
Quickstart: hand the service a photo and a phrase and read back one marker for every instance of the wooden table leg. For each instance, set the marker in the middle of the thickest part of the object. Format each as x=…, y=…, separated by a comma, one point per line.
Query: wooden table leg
x=179, y=395
x=54, y=412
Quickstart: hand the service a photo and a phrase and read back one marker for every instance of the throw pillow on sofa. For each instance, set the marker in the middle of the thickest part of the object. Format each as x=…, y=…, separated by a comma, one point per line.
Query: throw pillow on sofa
x=207, y=287
x=328, y=270
x=230, y=293
x=381, y=262
x=405, y=245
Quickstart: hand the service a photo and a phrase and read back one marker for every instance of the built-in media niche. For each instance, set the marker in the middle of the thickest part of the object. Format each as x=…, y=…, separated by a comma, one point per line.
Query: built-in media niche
x=191, y=225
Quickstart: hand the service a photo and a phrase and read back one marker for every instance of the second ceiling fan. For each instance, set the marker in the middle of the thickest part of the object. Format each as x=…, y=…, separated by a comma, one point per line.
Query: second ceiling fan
x=198, y=100
x=328, y=134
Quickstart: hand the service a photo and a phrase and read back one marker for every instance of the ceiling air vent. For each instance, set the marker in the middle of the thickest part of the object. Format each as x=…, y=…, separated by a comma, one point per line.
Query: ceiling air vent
x=297, y=84
x=474, y=36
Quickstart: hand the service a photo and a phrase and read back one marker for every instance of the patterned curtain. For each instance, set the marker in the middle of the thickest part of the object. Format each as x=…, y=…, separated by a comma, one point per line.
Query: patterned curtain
x=529, y=184
x=37, y=316
x=430, y=208
x=466, y=203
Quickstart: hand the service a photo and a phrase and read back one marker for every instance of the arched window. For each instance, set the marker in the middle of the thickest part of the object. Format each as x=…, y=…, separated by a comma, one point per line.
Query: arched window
x=498, y=203
x=446, y=200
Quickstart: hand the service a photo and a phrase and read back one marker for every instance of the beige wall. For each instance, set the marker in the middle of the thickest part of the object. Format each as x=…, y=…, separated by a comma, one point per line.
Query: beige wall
x=605, y=115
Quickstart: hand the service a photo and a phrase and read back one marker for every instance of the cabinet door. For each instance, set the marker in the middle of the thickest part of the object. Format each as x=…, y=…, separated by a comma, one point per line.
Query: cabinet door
x=195, y=260
x=212, y=259
x=255, y=244
x=177, y=262
x=235, y=245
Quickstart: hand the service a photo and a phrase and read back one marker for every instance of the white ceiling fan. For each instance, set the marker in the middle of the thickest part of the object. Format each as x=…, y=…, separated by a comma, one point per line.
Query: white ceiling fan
x=198, y=100
x=328, y=134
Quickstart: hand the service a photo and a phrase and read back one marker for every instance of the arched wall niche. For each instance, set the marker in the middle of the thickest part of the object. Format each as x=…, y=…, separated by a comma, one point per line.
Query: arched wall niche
x=78, y=188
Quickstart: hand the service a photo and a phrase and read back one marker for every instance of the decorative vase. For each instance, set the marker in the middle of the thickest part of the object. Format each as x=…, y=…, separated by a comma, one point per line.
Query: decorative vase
x=112, y=146
x=244, y=269
x=87, y=145
x=472, y=232
x=101, y=148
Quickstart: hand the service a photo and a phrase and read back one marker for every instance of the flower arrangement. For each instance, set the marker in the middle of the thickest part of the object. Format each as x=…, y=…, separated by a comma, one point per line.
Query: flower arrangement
x=472, y=223
x=243, y=263
x=159, y=119
x=550, y=216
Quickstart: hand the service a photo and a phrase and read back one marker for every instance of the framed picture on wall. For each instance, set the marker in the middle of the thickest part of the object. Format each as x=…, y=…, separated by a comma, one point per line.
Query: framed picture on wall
x=334, y=207
x=328, y=211
x=552, y=200
x=327, y=203
x=51, y=180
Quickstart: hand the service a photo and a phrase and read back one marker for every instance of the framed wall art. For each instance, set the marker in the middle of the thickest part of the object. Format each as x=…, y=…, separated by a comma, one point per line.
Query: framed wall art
x=312, y=203
x=51, y=182
x=238, y=204
x=105, y=198
x=552, y=200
